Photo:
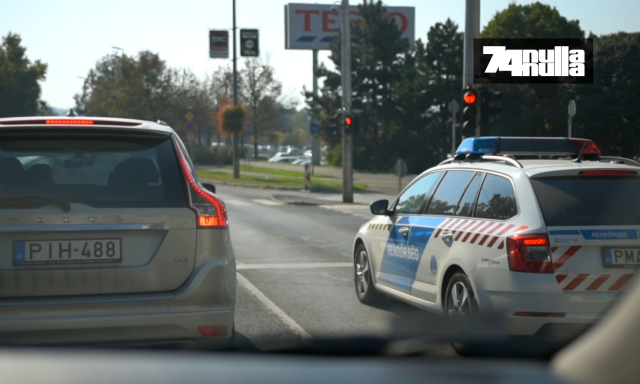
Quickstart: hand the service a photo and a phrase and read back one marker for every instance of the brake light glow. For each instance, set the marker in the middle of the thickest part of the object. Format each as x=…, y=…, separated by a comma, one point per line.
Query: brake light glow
x=208, y=221
x=70, y=122
x=535, y=242
x=590, y=147
x=212, y=331
x=529, y=253
x=205, y=220
x=608, y=172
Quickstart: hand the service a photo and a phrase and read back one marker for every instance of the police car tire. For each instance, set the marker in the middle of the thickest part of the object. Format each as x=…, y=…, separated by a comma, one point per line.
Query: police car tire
x=370, y=296
x=459, y=277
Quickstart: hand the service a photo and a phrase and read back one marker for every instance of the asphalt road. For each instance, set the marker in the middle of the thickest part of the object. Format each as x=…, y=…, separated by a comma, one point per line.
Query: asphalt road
x=295, y=277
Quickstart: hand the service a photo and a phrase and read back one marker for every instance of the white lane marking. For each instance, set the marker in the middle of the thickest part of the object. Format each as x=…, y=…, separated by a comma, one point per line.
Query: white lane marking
x=242, y=266
x=237, y=203
x=288, y=321
x=267, y=202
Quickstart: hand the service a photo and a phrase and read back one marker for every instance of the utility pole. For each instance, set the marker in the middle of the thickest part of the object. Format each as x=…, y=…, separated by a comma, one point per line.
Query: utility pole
x=236, y=135
x=471, y=31
x=316, y=156
x=572, y=112
x=347, y=139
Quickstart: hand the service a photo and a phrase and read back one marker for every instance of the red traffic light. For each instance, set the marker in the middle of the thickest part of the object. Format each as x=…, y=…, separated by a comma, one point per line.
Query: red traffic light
x=469, y=98
x=347, y=120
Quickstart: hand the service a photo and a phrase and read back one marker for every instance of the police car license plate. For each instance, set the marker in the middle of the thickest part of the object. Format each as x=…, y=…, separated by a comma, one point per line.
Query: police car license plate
x=67, y=251
x=622, y=257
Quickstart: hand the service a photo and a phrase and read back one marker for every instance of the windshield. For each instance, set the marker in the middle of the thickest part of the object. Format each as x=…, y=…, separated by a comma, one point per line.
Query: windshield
x=265, y=173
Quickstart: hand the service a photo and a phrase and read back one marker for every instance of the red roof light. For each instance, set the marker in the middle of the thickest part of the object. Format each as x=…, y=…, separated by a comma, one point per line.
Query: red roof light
x=590, y=147
x=70, y=122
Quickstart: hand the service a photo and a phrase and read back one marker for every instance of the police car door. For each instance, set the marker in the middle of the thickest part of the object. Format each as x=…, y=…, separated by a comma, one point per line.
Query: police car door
x=394, y=270
x=430, y=235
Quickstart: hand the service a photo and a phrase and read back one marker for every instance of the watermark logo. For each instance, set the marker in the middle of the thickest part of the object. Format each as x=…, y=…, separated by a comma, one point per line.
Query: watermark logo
x=547, y=61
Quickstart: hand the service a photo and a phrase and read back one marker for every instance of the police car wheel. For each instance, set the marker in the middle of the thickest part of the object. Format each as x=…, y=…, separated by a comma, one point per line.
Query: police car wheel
x=459, y=301
x=366, y=292
x=459, y=298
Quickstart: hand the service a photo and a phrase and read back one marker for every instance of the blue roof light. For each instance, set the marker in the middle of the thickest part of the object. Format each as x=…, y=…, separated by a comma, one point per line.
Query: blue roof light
x=520, y=146
x=479, y=146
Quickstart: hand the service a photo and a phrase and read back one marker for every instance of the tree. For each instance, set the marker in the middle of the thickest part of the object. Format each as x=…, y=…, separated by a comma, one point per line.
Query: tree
x=531, y=109
x=20, y=80
x=444, y=59
x=259, y=91
x=377, y=53
x=144, y=87
x=606, y=110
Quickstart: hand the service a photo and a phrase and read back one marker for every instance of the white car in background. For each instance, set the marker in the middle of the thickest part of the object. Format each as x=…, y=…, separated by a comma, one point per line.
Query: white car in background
x=549, y=243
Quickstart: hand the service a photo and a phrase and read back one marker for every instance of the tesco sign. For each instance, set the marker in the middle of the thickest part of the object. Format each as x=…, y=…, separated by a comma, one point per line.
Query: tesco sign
x=314, y=26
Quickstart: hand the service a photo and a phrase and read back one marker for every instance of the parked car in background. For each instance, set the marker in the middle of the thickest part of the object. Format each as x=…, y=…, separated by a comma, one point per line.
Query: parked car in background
x=284, y=159
x=293, y=152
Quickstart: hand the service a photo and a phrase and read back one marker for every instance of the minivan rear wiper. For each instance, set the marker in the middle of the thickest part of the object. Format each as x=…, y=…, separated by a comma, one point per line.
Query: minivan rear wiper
x=32, y=201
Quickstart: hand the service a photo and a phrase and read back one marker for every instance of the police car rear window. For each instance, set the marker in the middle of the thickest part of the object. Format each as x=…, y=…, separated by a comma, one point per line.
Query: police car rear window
x=588, y=200
x=98, y=170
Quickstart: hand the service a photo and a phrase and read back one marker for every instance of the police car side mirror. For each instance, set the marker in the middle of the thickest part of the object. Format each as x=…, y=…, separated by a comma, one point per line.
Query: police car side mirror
x=380, y=207
x=209, y=187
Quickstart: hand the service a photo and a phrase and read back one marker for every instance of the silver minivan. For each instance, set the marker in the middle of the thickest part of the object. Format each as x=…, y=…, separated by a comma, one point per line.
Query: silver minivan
x=107, y=236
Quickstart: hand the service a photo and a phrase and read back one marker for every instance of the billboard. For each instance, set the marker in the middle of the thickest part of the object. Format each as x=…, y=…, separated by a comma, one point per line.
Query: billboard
x=219, y=44
x=249, y=43
x=314, y=26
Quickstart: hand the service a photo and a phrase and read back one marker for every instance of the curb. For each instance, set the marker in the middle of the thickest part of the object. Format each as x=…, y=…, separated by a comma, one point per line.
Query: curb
x=294, y=202
x=217, y=182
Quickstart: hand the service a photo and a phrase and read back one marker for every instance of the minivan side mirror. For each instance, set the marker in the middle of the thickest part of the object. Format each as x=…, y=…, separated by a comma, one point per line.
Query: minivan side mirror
x=380, y=207
x=209, y=187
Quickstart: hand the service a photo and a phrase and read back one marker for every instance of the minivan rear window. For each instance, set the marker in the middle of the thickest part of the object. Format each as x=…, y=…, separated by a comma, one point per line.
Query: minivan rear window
x=100, y=170
x=588, y=200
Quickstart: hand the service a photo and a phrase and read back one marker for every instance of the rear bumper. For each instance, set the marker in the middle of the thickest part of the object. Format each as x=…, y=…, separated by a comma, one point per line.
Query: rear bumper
x=206, y=299
x=131, y=330
x=535, y=305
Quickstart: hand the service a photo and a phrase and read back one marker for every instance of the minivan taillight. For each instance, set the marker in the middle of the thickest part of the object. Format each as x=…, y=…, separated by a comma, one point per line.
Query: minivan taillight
x=210, y=210
x=529, y=253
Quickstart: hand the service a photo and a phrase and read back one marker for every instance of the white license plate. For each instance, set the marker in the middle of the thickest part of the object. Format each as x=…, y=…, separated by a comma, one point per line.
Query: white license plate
x=622, y=257
x=67, y=251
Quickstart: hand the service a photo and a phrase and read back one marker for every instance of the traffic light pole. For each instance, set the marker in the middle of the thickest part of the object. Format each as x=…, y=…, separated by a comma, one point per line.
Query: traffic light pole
x=347, y=140
x=471, y=31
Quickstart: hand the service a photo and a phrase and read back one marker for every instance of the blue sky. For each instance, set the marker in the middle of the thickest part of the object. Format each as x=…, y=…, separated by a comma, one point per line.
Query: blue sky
x=71, y=35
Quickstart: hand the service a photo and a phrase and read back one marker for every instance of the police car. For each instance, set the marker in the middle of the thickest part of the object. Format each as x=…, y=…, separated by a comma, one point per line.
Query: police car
x=542, y=230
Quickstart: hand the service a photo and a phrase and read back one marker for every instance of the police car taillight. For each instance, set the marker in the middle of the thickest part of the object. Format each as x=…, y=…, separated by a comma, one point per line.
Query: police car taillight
x=590, y=147
x=210, y=210
x=529, y=253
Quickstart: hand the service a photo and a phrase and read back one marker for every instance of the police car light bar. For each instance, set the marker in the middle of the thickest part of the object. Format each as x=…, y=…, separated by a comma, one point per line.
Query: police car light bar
x=527, y=146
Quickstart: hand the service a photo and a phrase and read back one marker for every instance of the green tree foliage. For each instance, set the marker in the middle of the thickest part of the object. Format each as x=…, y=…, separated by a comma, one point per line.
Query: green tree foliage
x=20, y=80
x=606, y=111
x=402, y=92
x=144, y=87
x=232, y=118
x=443, y=58
x=531, y=109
